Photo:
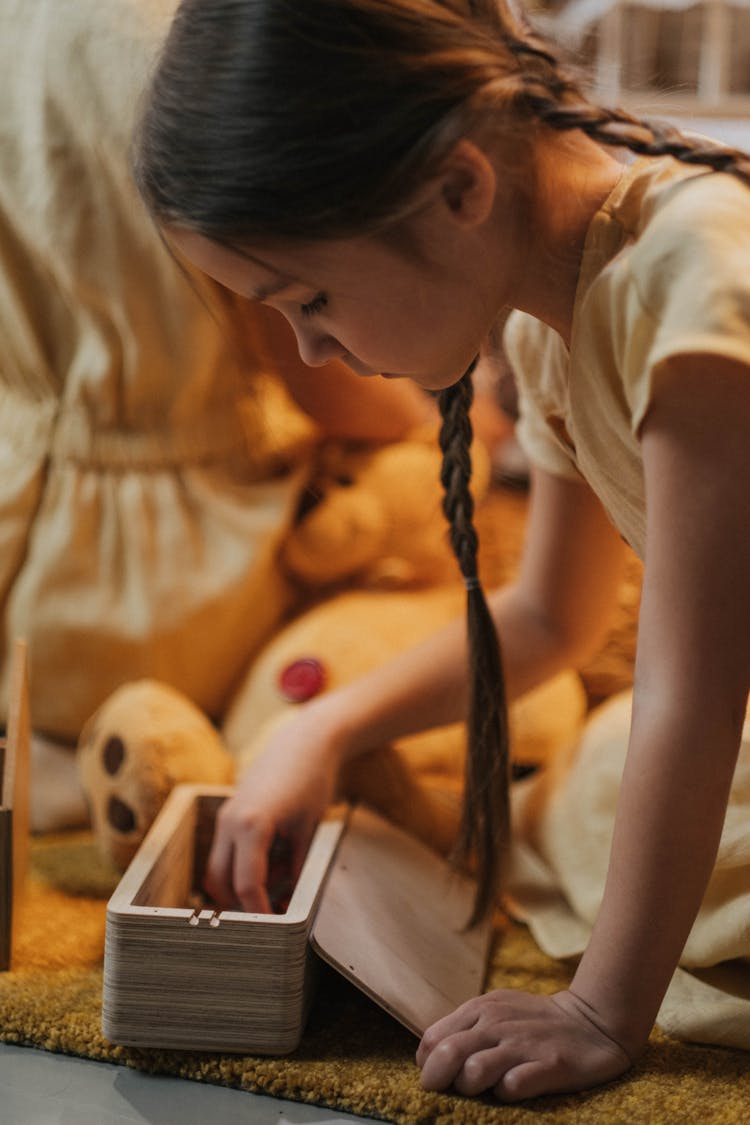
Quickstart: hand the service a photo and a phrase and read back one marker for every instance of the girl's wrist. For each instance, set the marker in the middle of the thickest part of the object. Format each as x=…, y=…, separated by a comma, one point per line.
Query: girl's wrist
x=332, y=718
x=626, y=1024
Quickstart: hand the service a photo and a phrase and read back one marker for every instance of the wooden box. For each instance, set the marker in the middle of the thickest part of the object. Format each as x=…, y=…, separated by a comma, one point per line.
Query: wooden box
x=377, y=905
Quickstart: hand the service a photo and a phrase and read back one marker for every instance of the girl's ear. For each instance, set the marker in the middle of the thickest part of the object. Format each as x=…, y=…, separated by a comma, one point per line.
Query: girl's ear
x=468, y=184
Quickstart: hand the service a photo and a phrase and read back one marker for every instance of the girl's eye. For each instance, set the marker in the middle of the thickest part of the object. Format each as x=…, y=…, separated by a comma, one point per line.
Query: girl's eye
x=315, y=306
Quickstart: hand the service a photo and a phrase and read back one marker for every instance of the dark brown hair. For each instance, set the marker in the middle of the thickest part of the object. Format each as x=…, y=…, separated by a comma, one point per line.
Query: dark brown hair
x=485, y=823
x=278, y=119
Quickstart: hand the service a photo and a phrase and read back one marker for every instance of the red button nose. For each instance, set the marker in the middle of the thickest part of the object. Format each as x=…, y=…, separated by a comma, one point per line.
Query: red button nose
x=302, y=679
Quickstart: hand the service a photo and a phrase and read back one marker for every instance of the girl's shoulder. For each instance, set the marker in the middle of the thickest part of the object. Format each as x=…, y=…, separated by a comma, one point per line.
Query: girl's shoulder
x=687, y=213
x=685, y=241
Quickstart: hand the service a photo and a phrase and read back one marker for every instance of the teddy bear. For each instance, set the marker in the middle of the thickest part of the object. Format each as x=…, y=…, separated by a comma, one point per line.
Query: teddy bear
x=371, y=518
x=369, y=544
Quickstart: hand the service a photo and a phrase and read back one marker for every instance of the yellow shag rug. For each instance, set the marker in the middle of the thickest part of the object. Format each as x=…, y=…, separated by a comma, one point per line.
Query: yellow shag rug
x=353, y=1057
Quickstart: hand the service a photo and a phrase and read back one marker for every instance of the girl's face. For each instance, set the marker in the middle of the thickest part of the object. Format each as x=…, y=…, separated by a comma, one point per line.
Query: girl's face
x=367, y=303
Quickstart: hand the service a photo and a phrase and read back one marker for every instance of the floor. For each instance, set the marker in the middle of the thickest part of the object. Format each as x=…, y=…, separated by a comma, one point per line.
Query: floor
x=39, y=1088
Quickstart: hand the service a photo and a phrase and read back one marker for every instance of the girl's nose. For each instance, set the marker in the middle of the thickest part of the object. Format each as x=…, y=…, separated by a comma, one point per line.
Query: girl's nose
x=316, y=348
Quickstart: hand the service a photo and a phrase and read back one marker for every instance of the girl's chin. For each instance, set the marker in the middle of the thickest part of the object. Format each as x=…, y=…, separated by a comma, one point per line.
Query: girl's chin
x=435, y=383
x=426, y=382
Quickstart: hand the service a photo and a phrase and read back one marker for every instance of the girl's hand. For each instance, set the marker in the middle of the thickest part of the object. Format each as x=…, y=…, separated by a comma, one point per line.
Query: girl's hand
x=519, y=1046
x=278, y=802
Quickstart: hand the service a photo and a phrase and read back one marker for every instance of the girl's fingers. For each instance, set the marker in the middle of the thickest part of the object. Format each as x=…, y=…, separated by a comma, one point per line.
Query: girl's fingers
x=250, y=870
x=518, y=1045
x=513, y=1073
x=217, y=881
x=462, y=1019
x=445, y=1062
x=237, y=864
x=485, y=1068
x=527, y=1080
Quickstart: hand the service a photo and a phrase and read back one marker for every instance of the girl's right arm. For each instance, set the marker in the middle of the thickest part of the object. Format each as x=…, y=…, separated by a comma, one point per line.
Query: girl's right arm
x=553, y=616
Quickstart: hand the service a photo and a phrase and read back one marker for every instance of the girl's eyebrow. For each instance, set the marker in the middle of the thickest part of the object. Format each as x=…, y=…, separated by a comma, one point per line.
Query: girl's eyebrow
x=270, y=290
x=263, y=292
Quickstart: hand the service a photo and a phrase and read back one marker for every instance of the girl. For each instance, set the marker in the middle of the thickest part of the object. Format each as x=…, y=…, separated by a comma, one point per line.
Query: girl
x=391, y=174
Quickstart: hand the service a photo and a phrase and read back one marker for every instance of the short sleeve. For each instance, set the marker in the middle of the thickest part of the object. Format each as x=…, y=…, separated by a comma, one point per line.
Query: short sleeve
x=685, y=288
x=537, y=358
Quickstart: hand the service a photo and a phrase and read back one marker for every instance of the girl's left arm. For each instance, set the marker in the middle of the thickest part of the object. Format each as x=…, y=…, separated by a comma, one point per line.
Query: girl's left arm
x=691, y=687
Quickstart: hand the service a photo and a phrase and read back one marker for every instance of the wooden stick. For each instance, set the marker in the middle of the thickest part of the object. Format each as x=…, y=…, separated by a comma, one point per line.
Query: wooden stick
x=14, y=799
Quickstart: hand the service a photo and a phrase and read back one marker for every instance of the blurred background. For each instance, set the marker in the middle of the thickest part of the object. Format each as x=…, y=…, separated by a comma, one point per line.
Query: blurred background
x=675, y=59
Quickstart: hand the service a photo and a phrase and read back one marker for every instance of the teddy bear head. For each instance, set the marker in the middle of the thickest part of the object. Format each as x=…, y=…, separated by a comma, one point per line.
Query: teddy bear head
x=372, y=518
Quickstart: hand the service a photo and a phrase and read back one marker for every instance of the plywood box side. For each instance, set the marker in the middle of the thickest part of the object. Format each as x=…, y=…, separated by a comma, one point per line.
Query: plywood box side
x=204, y=994
x=18, y=752
x=4, y=786
x=194, y=1032
x=147, y=874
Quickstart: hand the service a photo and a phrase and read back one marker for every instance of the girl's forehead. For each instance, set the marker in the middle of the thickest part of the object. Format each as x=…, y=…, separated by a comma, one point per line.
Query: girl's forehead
x=261, y=272
x=250, y=274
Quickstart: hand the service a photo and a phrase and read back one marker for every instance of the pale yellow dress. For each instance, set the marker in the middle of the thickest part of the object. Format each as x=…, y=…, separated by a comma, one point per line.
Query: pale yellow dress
x=666, y=270
x=145, y=455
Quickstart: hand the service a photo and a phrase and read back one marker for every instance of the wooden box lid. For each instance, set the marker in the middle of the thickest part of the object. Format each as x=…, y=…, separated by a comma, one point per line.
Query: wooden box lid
x=392, y=920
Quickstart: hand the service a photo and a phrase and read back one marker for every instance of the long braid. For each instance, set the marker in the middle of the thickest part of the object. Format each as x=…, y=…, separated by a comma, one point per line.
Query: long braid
x=556, y=98
x=616, y=127
x=554, y=95
x=485, y=824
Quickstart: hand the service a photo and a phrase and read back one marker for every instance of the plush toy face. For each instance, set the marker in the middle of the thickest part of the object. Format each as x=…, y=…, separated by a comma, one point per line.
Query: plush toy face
x=375, y=519
x=143, y=740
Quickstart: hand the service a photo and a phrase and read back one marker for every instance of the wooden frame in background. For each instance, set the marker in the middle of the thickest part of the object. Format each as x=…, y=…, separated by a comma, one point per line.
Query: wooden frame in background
x=14, y=799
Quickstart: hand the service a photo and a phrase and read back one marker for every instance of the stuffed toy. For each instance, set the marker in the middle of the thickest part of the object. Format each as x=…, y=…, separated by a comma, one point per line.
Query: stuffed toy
x=374, y=523
x=371, y=518
x=145, y=739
